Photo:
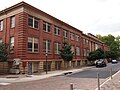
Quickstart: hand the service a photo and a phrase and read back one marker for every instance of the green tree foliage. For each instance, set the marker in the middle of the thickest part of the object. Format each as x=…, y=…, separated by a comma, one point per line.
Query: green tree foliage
x=66, y=52
x=98, y=54
x=113, y=42
x=3, y=52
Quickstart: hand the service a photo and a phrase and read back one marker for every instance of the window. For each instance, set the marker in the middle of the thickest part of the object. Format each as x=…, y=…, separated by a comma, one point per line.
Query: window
x=65, y=34
x=46, y=26
x=87, y=42
x=72, y=36
x=12, y=21
x=56, y=30
x=84, y=52
x=84, y=41
x=33, y=44
x=0, y=40
x=72, y=49
x=33, y=22
x=1, y=25
x=46, y=46
x=12, y=45
x=56, y=48
x=77, y=38
x=77, y=51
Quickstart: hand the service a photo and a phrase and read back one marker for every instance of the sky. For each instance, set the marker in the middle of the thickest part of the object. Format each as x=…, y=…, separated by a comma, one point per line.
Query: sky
x=90, y=16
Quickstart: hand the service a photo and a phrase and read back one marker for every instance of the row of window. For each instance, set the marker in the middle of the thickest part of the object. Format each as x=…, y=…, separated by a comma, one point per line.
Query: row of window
x=34, y=23
x=33, y=46
x=12, y=23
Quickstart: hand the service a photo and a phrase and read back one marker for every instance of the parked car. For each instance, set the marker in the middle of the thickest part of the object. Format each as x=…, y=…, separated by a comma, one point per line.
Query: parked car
x=114, y=61
x=101, y=63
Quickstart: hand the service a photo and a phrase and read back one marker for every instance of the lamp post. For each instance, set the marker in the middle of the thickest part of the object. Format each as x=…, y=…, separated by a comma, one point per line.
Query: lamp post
x=46, y=63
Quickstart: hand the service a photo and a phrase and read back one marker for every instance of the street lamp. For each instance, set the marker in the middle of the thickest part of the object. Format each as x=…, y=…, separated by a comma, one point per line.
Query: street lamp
x=46, y=63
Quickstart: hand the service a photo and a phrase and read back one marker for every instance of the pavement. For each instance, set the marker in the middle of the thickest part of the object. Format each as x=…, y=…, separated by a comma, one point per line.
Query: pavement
x=109, y=84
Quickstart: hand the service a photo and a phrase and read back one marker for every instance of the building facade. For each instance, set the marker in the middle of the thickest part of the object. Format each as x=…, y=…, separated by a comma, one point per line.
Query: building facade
x=34, y=36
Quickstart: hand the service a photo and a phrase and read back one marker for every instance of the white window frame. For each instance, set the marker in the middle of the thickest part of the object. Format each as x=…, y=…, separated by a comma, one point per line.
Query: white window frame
x=12, y=21
x=65, y=34
x=57, y=30
x=1, y=25
x=33, y=41
x=46, y=28
x=77, y=38
x=47, y=50
x=72, y=36
x=56, y=48
x=77, y=50
x=33, y=23
x=12, y=45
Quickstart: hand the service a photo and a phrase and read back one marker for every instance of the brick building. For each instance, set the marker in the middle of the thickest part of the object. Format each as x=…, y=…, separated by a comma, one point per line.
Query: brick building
x=31, y=33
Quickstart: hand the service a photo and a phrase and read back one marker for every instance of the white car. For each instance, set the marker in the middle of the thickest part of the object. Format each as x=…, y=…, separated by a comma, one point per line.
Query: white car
x=114, y=61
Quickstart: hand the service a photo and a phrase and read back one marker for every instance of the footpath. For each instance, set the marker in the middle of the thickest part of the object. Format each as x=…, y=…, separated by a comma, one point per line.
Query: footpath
x=109, y=84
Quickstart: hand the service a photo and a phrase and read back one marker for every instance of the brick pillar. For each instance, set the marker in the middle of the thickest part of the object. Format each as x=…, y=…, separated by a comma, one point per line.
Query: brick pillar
x=40, y=68
x=62, y=65
x=26, y=68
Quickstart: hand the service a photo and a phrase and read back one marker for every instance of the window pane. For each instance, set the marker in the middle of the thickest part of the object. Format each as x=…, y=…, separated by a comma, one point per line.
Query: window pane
x=49, y=46
x=35, y=47
x=44, y=26
x=55, y=31
x=30, y=21
x=1, y=25
x=49, y=27
x=36, y=23
x=30, y=46
x=12, y=21
x=58, y=32
x=44, y=46
x=12, y=45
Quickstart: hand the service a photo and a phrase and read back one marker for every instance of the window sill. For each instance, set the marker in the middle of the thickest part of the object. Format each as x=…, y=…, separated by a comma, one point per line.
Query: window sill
x=33, y=28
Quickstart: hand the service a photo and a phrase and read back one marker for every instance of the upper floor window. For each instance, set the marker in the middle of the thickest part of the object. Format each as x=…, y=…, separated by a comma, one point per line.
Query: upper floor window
x=56, y=48
x=56, y=30
x=12, y=45
x=46, y=26
x=77, y=51
x=65, y=34
x=72, y=36
x=0, y=40
x=72, y=49
x=1, y=25
x=12, y=21
x=77, y=38
x=87, y=42
x=84, y=41
x=46, y=46
x=33, y=22
x=33, y=44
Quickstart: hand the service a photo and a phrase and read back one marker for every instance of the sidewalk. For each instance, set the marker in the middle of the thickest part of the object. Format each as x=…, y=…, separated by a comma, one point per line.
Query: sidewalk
x=24, y=78
x=112, y=84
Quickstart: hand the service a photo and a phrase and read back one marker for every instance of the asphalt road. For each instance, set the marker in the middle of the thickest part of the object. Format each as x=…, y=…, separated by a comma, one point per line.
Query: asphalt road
x=104, y=72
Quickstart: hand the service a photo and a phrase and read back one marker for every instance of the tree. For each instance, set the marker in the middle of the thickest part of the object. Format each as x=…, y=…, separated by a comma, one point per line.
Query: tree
x=3, y=52
x=66, y=52
x=114, y=43
x=98, y=54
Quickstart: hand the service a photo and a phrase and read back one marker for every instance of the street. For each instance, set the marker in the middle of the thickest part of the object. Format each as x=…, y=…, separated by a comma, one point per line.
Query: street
x=85, y=80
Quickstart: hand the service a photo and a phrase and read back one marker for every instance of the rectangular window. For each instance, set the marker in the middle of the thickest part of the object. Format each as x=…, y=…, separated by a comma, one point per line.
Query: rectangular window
x=72, y=36
x=33, y=44
x=1, y=25
x=84, y=41
x=30, y=21
x=56, y=30
x=56, y=48
x=77, y=38
x=46, y=46
x=46, y=26
x=72, y=49
x=12, y=45
x=65, y=34
x=33, y=22
x=0, y=40
x=77, y=51
x=12, y=21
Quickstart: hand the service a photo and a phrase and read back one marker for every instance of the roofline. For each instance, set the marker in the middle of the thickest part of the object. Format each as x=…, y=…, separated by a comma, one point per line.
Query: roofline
x=26, y=4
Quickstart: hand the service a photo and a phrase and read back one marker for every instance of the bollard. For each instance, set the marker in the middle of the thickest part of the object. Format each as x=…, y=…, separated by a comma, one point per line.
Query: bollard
x=111, y=73
x=98, y=81
x=71, y=86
